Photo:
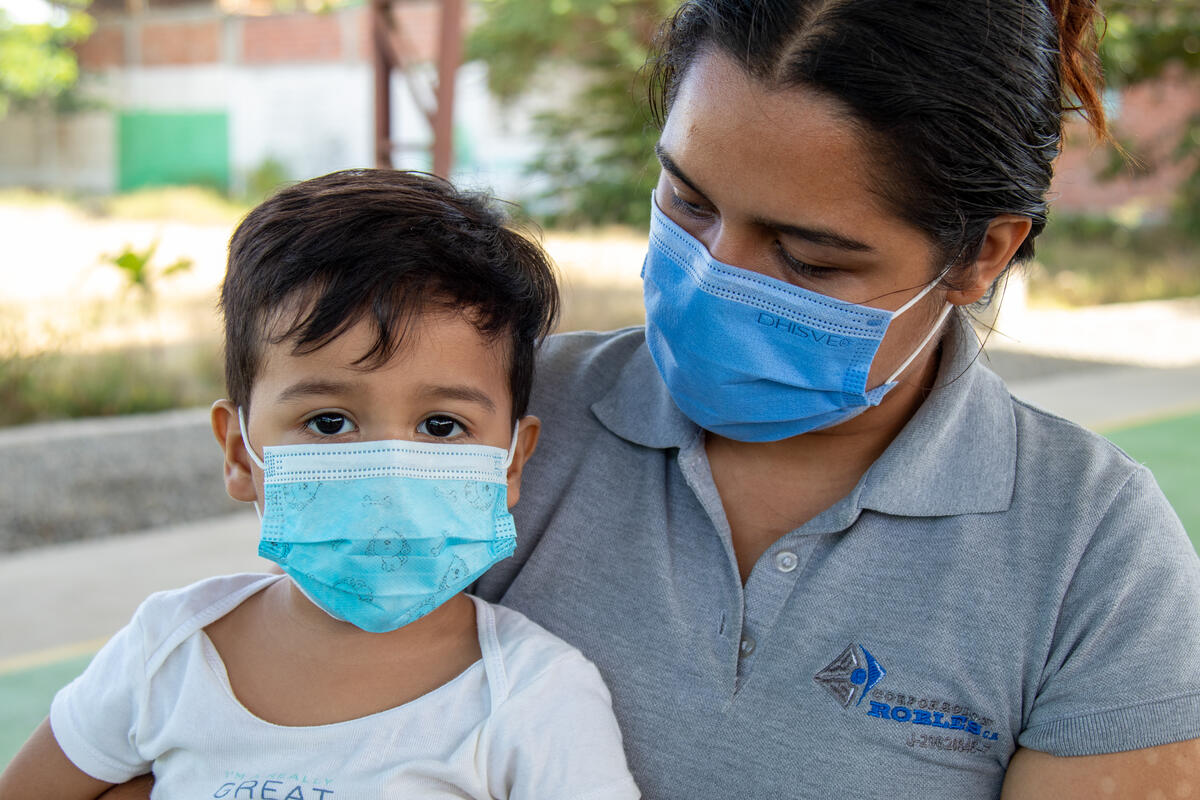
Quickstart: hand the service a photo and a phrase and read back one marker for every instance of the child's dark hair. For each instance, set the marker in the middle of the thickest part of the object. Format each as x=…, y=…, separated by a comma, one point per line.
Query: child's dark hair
x=385, y=245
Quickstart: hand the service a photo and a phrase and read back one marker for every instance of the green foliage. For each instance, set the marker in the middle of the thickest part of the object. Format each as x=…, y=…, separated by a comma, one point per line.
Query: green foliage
x=139, y=271
x=598, y=148
x=36, y=60
x=263, y=180
x=1143, y=38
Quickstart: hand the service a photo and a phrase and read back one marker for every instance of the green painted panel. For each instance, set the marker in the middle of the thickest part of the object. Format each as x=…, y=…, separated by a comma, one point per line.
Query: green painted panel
x=156, y=148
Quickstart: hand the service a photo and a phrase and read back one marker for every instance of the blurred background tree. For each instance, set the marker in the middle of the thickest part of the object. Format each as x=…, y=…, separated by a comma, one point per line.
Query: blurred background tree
x=1146, y=40
x=37, y=63
x=598, y=147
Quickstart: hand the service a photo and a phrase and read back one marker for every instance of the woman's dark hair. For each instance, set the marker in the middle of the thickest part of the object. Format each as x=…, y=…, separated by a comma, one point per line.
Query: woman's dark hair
x=962, y=101
x=318, y=256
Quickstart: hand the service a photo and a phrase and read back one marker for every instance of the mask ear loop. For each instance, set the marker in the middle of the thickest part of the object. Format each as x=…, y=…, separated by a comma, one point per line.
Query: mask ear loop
x=246, y=441
x=932, y=331
x=924, y=342
x=512, y=448
x=253, y=456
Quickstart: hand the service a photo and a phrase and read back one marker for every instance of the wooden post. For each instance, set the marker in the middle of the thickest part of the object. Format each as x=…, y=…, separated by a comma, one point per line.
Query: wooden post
x=449, y=57
x=382, y=67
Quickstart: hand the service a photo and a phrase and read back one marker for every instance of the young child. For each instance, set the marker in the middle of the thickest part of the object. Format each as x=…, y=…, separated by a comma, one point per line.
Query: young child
x=380, y=334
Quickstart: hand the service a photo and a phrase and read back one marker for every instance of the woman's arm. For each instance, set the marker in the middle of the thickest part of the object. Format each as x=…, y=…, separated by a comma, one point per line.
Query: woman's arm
x=41, y=769
x=1169, y=770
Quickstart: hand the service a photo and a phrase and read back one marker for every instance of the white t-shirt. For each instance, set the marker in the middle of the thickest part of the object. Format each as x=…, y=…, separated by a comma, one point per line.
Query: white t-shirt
x=531, y=719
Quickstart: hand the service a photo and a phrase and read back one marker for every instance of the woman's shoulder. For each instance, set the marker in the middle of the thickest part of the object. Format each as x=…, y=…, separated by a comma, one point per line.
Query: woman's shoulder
x=578, y=353
x=582, y=366
x=1075, y=474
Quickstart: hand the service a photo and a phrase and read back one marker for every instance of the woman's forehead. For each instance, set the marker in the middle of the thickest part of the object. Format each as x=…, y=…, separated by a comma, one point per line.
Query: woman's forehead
x=793, y=150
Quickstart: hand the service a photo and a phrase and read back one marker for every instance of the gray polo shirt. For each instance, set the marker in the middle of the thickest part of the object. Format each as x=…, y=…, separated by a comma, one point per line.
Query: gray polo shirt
x=999, y=577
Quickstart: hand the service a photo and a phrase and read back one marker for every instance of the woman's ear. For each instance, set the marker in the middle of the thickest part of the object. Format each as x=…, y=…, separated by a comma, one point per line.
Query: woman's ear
x=1004, y=235
x=527, y=437
x=239, y=475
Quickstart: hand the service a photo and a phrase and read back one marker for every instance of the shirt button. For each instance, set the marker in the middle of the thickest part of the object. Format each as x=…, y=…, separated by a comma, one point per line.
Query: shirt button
x=746, y=648
x=786, y=561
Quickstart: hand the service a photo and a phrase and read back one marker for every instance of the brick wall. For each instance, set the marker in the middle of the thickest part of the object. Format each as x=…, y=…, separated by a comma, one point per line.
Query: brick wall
x=103, y=49
x=176, y=43
x=294, y=37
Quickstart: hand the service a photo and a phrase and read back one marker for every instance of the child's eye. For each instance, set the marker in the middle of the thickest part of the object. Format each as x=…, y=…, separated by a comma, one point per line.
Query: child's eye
x=440, y=427
x=330, y=424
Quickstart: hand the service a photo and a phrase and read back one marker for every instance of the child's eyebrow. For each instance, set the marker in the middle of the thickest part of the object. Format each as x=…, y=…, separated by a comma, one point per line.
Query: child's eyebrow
x=307, y=388
x=467, y=394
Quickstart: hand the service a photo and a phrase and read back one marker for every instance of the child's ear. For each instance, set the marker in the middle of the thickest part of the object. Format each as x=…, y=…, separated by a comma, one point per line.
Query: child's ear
x=527, y=437
x=239, y=478
x=1005, y=234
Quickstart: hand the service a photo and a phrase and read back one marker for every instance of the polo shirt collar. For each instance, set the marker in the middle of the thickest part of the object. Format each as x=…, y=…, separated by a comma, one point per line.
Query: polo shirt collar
x=639, y=408
x=957, y=455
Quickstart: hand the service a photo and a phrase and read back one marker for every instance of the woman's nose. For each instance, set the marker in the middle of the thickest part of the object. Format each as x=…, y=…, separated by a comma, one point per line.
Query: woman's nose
x=737, y=245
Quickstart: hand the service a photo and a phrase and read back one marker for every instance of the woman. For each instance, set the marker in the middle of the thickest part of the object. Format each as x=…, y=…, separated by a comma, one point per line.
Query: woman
x=814, y=547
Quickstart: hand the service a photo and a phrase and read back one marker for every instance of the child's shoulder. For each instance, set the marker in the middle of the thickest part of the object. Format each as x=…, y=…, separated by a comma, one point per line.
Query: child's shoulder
x=527, y=651
x=164, y=618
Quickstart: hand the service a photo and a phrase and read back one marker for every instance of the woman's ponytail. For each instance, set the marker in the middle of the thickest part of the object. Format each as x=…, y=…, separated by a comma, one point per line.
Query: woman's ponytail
x=1079, y=60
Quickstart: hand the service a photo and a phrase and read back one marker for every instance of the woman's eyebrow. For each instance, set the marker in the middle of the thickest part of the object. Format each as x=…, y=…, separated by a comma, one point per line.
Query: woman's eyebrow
x=818, y=236
x=670, y=166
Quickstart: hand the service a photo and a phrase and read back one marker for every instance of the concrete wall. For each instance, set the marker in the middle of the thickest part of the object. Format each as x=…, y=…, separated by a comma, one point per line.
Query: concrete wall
x=48, y=151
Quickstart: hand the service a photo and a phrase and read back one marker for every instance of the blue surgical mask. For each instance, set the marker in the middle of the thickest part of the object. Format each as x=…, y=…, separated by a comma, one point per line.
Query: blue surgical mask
x=753, y=358
x=381, y=533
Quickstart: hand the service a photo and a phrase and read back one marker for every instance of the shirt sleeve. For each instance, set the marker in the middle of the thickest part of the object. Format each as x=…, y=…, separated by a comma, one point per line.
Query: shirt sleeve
x=1123, y=671
x=557, y=737
x=94, y=718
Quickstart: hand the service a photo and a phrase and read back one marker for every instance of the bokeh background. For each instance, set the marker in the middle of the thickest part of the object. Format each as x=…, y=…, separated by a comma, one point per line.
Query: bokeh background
x=134, y=134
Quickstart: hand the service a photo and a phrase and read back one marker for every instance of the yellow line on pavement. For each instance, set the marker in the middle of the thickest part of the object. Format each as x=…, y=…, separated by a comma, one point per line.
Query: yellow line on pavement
x=52, y=655
x=1120, y=424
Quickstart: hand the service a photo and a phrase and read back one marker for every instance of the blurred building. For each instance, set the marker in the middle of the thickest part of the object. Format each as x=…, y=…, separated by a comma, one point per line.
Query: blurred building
x=214, y=92
x=218, y=92
x=1148, y=119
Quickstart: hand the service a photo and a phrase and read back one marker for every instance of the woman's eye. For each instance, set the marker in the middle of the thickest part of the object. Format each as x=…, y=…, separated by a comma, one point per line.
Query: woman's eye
x=330, y=424
x=802, y=267
x=440, y=427
x=691, y=209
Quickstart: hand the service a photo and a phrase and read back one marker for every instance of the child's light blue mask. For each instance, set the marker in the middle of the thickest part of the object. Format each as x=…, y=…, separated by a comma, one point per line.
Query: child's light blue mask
x=381, y=533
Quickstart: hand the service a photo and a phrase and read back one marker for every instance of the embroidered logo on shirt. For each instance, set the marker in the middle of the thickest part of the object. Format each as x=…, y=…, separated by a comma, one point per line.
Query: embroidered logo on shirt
x=851, y=675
